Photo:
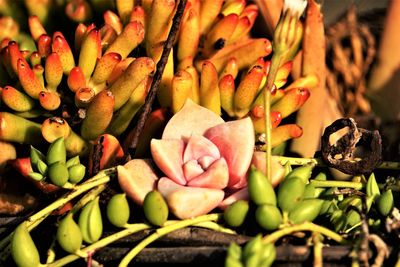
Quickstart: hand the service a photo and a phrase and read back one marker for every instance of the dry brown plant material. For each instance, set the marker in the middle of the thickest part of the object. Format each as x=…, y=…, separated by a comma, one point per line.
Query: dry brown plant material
x=351, y=50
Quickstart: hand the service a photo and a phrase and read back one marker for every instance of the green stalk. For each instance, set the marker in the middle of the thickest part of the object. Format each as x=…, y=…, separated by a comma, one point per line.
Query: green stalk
x=207, y=225
x=386, y=165
x=300, y=161
x=100, y=178
x=89, y=184
x=215, y=227
x=275, y=64
x=166, y=230
x=306, y=226
x=317, y=249
x=334, y=183
x=131, y=229
x=134, y=228
x=51, y=254
x=92, y=194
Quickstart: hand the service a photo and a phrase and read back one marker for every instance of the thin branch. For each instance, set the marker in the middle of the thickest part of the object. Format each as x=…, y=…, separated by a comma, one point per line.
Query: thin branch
x=147, y=107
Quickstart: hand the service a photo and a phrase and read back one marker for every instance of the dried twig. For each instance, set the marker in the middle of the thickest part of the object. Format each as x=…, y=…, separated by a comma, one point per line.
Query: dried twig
x=147, y=107
x=351, y=47
x=381, y=247
x=364, y=252
x=96, y=157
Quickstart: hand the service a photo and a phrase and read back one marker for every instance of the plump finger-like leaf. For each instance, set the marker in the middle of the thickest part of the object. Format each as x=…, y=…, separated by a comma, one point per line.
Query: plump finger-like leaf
x=137, y=178
x=167, y=154
x=187, y=202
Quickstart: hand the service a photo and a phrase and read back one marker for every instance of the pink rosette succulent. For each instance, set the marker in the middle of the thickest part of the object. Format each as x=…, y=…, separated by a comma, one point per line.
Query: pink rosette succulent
x=204, y=161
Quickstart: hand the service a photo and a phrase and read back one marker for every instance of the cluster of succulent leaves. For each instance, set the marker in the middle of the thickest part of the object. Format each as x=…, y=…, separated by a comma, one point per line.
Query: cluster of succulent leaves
x=304, y=197
x=254, y=254
x=301, y=198
x=295, y=201
x=87, y=227
x=55, y=166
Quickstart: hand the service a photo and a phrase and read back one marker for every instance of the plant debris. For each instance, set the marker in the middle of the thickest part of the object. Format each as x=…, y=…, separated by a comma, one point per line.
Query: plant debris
x=357, y=151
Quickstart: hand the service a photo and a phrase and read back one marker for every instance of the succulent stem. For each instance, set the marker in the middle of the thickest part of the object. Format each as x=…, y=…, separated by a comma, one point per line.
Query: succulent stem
x=166, y=230
x=345, y=184
x=102, y=243
x=275, y=63
x=307, y=226
x=386, y=165
x=99, y=179
x=131, y=229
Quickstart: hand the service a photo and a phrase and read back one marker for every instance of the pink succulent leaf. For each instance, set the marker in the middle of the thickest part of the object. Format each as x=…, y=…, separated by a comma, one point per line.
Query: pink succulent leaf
x=198, y=146
x=278, y=171
x=137, y=178
x=192, y=119
x=242, y=182
x=192, y=169
x=206, y=161
x=241, y=194
x=167, y=154
x=235, y=141
x=216, y=176
x=188, y=202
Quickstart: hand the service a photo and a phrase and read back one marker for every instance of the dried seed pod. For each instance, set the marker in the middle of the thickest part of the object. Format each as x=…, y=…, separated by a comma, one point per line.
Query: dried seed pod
x=342, y=154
